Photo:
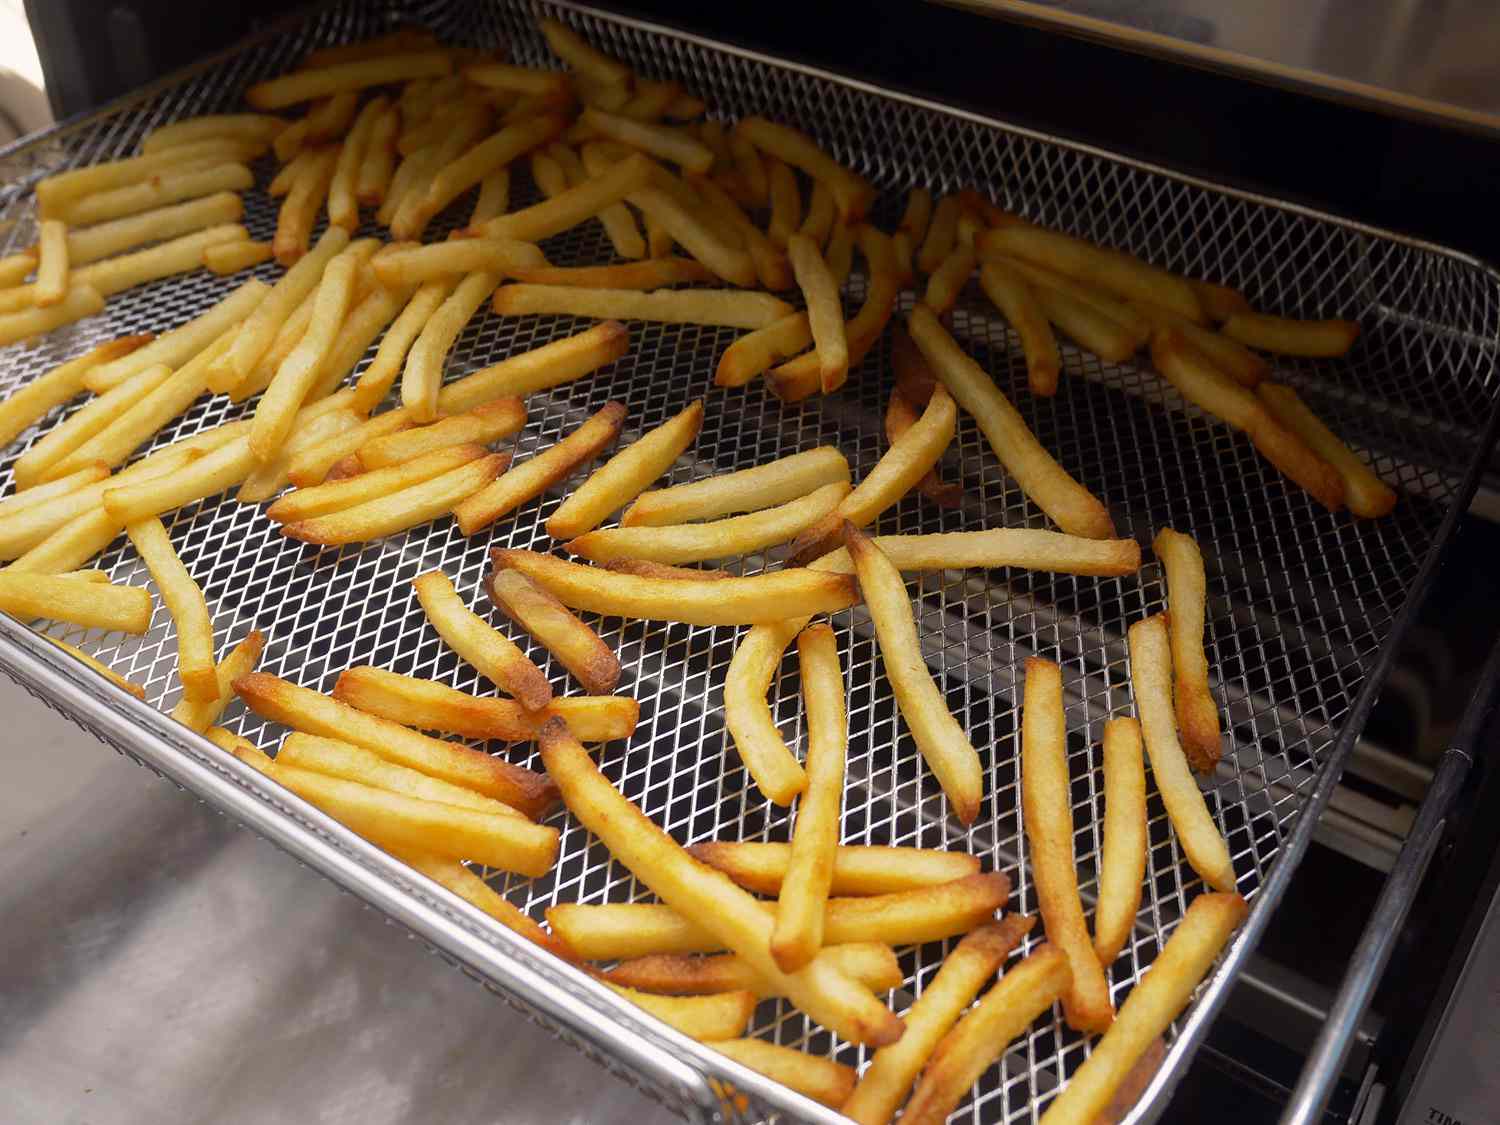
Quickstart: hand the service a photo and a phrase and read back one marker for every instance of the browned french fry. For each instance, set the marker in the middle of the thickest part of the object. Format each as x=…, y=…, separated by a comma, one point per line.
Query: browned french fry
x=531, y=478
x=756, y=351
x=822, y=1080
x=422, y=378
x=93, y=605
x=1020, y=307
x=850, y=191
x=492, y=653
x=900, y=416
x=577, y=647
x=1368, y=496
x=1048, y=810
x=724, y=307
x=200, y=714
x=872, y=964
x=305, y=710
x=550, y=365
x=1187, y=594
x=1318, y=338
x=857, y=869
x=1122, y=867
x=305, y=85
x=486, y=423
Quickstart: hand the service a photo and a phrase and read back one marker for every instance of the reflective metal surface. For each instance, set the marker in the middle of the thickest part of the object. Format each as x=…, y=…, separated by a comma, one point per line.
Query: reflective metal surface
x=160, y=964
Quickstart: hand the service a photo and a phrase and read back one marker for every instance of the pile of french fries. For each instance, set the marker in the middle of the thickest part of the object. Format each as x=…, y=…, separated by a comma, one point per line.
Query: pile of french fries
x=402, y=130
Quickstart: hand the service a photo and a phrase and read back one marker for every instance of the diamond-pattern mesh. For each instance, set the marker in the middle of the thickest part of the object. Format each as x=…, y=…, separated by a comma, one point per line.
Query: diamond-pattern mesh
x=1301, y=602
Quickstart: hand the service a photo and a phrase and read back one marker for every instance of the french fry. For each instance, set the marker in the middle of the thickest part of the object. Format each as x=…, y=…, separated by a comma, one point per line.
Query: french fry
x=786, y=203
x=322, y=82
x=1220, y=302
x=840, y=252
x=80, y=301
x=857, y=869
x=52, y=263
x=1367, y=495
x=626, y=475
x=941, y=235
x=550, y=365
x=260, y=326
x=1234, y=359
x=824, y=310
x=337, y=758
x=377, y=163
x=154, y=195
x=453, y=876
x=917, y=215
x=619, y=224
x=1162, y=992
x=310, y=429
x=820, y=216
x=822, y=990
x=798, y=935
x=309, y=467
x=434, y=706
x=91, y=244
x=299, y=210
x=181, y=344
x=298, y=373
x=61, y=486
x=1207, y=388
x=255, y=128
x=577, y=647
x=138, y=499
x=366, y=321
x=1067, y=502
x=747, y=715
x=1019, y=305
x=62, y=442
x=390, y=357
x=15, y=268
x=480, y=426
x=336, y=496
x=328, y=120
x=1085, y=324
x=70, y=546
x=698, y=230
x=401, y=822
x=305, y=710
x=1317, y=338
x=185, y=602
x=57, y=195
x=585, y=59
x=851, y=192
x=722, y=1016
x=872, y=964
x=531, y=478
x=942, y=741
x=661, y=141
x=400, y=510
x=1128, y=316
x=652, y=273
x=518, y=79
x=737, y=535
x=751, y=170
x=574, y=206
x=1047, y=806
x=400, y=41
x=490, y=154
x=496, y=657
x=409, y=182
x=493, y=198
x=422, y=378
x=747, y=490
x=225, y=258
x=898, y=471
x=822, y=1080
x=620, y=930
x=1122, y=867
x=201, y=713
x=971, y=965
x=947, y=281
x=103, y=669
x=1109, y=269
x=984, y=1033
x=1151, y=681
x=93, y=605
x=754, y=353
x=765, y=597
x=646, y=569
x=901, y=416
x=343, y=198
x=35, y=399
x=1187, y=594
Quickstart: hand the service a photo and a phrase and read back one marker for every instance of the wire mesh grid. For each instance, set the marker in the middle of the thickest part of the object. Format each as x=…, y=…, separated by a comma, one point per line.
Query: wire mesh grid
x=1301, y=602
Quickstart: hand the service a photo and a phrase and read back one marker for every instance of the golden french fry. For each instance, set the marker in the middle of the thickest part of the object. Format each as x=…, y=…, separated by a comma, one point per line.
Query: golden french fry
x=771, y=265
x=840, y=252
x=786, y=203
x=453, y=876
x=751, y=170
x=256, y=128
x=1128, y=316
x=299, y=210
x=821, y=989
x=70, y=546
x=322, y=82
x=211, y=473
x=1209, y=389
x=1367, y=495
x=763, y=597
x=822, y=1080
x=825, y=311
x=90, y=244
x=412, y=264
x=1074, y=508
x=577, y=647
x=820, y=217
x=80, y=301
x=495, y=656
x=857, y=869
x=185, y=602
x=1151, y=1005
x=493, y=198
x=1122, y=867
x=40, y=462
x=490, y=154
x=901, y=416
x=1019, y=305
x=1151, y=681
x=390, y=357
x=1234, y=359
x=798, y=935
x=1220, y=302
x=852, y=193
x=1047, y=806
x=626, y=475
x=61, y=486
x=1083, y=323
x=52, y=263
x=661, y=570
x=1187, y=595
x=422, y=378
x=35, y=399
x=202, y=713
x=305, y=710
x=574, y=206
x=343, y=199
x=872, y=964
x=722, y=1016
x=310, y=466
x=397, y=511
x=519, y=79
x=480, y=426
x=942, y=741
x=366, y=320
x=619, y=224
x=971, y=965
x=58, y=195
x=400, y=41
x=408, y=182
x=433, y=706
x=93, y=605
x=378, y=162
x=898, y=471
x=745, y=491
x=315, y=423
x=226, y=258
x=699, y=230
x=585, y=59
x=636, y=929
x=1317, y=338
x=755, y=352
x=551, y=365
x=984, y=1033
x=747, y=715
x=1109, y=269
x=93, y=212
x=941, y=234
x=917, y=215
x=339, y=495
x=661, y=141
x=181, y=344
x=652, y=273
x=531, y=478
x=947, y=281
x=15, y=268
x=103, y=669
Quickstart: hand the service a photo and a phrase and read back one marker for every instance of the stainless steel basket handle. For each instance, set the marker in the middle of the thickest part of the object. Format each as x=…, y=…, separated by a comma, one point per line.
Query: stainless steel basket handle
x=1368, y=962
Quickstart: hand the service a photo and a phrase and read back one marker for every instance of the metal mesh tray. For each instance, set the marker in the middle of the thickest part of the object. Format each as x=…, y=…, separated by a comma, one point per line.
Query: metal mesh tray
x=1305, y=607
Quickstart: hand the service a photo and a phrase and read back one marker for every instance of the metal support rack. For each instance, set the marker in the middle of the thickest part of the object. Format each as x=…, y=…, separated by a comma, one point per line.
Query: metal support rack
x=1305, y=608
